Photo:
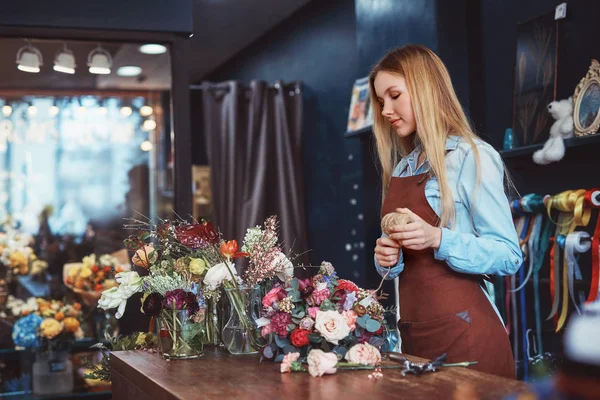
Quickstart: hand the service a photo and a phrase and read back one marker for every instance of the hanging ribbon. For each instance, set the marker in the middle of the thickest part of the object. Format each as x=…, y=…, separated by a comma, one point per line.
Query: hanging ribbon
x=576, y=243
x=592, y=200
x=573, y=214
x=545, y=241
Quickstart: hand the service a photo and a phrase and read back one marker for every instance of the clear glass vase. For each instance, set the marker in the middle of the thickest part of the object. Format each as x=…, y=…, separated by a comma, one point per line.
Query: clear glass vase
x=212, y=336
x=52, y=373
x=240, y=335
x=180, y=337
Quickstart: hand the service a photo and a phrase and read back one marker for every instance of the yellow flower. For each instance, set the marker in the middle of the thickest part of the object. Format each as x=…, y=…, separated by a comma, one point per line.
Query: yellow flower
x=89, y=261
x=198, y=266
x=50, y=328
x=141, y=339
x=71, y=324
x=73, y=272
x=85, y=272
x=17, y=259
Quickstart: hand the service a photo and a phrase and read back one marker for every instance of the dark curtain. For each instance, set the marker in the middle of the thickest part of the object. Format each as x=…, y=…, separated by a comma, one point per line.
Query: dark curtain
x=254, y=144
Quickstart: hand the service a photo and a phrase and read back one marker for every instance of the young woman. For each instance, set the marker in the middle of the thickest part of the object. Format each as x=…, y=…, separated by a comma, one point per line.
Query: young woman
x=451, y=184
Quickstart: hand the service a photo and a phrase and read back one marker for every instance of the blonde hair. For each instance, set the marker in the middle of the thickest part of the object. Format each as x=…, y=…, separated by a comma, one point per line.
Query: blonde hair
x=437, y=112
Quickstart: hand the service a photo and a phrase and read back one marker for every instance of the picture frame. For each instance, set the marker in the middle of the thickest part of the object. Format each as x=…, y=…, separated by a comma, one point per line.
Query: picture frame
x=534, y=79
x=360, y=113
x=586, y=102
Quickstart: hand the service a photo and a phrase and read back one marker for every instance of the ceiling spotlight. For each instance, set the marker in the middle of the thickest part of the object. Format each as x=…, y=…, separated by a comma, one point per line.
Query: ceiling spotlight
x=32, y=110
x=129, y=70
x=146, y=145
x=99, y=61
x=65, y=61
x=102, y=110
x=126, y=111
x=153, y=49
x=53, y=111
x=29, y=59
x=7, y=110
x=149, y=125
x=146, y=111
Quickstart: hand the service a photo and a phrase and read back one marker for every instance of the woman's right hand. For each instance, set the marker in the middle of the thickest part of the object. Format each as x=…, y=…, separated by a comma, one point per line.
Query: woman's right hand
x=387, y=252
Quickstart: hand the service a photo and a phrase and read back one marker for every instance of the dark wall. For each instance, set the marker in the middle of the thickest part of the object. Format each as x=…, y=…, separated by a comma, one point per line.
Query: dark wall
x=134, y=15
x=317, y=45
x=577, y=46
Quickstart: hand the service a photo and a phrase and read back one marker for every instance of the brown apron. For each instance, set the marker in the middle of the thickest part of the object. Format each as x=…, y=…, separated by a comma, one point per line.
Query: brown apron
x=441, y=310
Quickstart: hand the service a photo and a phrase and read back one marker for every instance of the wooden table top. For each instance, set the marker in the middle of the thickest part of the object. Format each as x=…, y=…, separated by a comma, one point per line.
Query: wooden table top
x=219, y=375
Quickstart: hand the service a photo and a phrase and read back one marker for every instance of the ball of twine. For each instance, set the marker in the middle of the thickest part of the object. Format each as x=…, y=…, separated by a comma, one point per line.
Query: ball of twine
x=393, y=219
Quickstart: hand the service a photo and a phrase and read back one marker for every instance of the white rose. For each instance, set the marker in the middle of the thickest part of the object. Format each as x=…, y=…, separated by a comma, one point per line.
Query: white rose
x=219, y=273
x=130, y=278
x=332, y=326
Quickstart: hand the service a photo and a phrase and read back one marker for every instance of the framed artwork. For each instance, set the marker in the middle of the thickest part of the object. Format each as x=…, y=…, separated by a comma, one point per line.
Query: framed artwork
x=360, y=114
x=586, y=102
x=535, y=79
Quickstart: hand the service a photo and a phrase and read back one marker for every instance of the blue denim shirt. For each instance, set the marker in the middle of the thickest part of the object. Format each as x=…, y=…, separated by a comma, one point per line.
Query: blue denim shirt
x=483, y=239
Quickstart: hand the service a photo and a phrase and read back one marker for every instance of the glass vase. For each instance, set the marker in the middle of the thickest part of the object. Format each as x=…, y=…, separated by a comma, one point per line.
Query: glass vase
x=212, y=328
x=180, y=337
x=52, y=373
x=240, y=335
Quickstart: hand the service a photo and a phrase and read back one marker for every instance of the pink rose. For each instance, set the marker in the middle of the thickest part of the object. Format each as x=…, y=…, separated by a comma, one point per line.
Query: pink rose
x=288, y=359
x=364, y=354
x=271, y=297
x=312, y=312
x=266, y=330
x=350, y=317
x=306, y=323
x=320, y=363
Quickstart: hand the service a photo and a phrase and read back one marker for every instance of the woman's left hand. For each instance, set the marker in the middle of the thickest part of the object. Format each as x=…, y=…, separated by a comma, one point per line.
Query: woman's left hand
x=417, y=235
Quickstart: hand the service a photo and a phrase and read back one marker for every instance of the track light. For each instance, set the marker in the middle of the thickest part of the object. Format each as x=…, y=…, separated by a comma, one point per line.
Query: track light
x=65, y=61
x=99, y=61
x=29, y=59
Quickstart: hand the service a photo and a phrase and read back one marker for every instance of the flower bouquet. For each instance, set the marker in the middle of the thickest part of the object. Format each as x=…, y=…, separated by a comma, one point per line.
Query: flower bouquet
x=320, y=313
x=16, y=254
x=92, y=276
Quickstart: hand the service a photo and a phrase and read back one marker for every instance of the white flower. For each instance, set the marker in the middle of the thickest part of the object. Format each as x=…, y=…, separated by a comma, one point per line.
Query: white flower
x=320, y=363
x=364, y=354
x=116, y=297
x=332, y=326
x=219, y=273
x=284, y=265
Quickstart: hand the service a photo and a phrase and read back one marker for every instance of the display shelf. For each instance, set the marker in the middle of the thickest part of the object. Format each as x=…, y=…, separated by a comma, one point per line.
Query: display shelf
x=77, y=347
x=363, y=132
x=529, y=150
x=106, y=394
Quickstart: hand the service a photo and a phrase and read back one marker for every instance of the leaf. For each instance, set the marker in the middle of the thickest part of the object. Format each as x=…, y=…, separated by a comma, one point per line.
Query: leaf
x=281, y=341
x=325, y=346
x=291, y=327
x=279, y=358
x=268, y=352
x=315, y=337
x=290, y=349
x=295, y=284
x=373, y=325
x=190, y=331
x=145, y=236
x=327, y=305
x=362, y=321
x=296, y=320
x=298, y=313
x=296, y=296
x=340, y=351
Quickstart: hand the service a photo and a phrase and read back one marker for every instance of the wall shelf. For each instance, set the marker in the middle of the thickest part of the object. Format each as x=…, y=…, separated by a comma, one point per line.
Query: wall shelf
x=363, y=132
x=529, y=150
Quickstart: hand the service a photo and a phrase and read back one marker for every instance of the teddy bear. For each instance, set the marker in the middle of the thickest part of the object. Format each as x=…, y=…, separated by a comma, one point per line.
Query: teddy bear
x=554, y=148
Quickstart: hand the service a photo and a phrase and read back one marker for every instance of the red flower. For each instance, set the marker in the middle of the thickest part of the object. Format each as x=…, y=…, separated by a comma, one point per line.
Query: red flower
x=379, y=331
x=197, y=235
x=344, y=284
x=230, y=249
x=299, y=337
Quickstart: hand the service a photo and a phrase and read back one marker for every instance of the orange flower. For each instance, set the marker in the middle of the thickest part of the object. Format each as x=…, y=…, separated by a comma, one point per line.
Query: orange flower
x=230, y=249
x=77, y=306
x=71, y=324
x=59, y=316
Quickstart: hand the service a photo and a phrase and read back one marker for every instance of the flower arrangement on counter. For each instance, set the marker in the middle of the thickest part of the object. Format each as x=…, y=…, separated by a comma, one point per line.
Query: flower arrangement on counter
x=52, y=325
x=190, y=264
x=94, y=273
x=322, y=313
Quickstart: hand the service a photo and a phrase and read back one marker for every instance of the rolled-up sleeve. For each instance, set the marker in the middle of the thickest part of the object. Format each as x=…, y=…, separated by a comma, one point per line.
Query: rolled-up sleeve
x=493, y=247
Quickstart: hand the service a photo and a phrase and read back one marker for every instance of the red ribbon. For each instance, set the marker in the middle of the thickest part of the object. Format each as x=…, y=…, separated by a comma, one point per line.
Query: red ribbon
x=595, y=244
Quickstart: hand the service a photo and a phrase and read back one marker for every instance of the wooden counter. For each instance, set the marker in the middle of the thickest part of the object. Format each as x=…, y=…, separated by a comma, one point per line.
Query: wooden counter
x=219, y=375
